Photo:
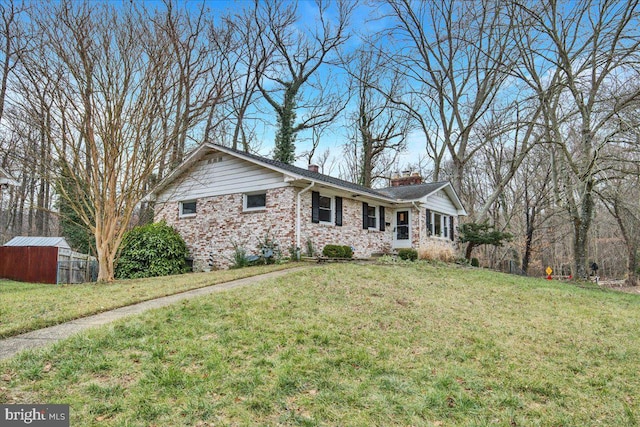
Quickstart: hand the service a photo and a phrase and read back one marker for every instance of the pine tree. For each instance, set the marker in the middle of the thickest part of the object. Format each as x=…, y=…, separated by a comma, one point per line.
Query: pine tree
x=481, y=234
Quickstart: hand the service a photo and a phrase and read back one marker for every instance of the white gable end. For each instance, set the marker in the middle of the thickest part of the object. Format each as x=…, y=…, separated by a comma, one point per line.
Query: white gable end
x=440, y=202
x=217, y=174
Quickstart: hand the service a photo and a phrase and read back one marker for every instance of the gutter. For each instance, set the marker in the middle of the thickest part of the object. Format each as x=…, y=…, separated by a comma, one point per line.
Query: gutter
x=298, y=219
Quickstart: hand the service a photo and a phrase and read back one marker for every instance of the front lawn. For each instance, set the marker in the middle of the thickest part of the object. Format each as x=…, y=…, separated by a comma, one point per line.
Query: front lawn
x=352, y=345
x=29, y=306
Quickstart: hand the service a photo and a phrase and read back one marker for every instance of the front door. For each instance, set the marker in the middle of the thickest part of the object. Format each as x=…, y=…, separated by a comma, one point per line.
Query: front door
x=402, y=230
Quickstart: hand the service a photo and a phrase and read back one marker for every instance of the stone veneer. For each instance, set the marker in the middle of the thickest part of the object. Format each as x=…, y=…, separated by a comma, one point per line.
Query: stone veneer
x=351, y=233
x=220, y=223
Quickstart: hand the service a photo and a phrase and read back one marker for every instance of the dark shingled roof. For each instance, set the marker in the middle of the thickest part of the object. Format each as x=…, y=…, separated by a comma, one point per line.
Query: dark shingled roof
x=412, y=192
x=316, y=176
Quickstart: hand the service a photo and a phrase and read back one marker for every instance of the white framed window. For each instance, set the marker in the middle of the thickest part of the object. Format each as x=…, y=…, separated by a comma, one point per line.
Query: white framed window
x=325, y=209
x=255, y=201
x=188, y=208
x=445, y=228
x=437, y=225
x=372, y=221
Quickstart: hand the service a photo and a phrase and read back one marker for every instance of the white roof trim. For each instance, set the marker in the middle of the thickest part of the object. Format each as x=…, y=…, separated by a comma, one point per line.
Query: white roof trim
x=290, y=176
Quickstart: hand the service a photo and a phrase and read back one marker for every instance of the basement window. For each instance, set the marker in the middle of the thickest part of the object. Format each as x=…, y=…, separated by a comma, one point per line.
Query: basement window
x=255, y=201
x=188, y=209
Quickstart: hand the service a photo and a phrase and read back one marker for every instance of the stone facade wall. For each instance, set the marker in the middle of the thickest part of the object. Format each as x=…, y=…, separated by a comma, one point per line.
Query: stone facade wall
x=221, y=223
x=426, y=242
x=351, y=233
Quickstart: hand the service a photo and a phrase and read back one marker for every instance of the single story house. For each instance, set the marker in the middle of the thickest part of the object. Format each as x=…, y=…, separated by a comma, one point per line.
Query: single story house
x=220, y=198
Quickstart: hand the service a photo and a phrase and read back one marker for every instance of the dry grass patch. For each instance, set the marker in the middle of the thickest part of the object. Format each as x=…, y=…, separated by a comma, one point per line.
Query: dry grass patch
x=436, y=253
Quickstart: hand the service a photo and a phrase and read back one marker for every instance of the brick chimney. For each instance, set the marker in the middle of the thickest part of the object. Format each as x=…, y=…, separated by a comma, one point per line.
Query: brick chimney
x=313, y=168
x=406, y=178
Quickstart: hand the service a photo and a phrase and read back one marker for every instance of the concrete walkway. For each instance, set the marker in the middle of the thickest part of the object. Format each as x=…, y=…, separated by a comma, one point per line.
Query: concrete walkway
x=9, y=347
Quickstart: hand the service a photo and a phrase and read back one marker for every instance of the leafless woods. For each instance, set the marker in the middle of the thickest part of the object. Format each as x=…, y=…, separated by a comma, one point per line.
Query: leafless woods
x=529, y=108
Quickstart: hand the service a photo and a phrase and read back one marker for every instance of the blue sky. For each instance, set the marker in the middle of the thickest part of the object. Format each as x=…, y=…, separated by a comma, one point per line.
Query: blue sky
x=365, y=20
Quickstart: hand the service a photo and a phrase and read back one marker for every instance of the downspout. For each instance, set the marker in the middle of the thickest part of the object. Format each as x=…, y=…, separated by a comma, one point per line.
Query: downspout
x=419, y=227
x=298, y=220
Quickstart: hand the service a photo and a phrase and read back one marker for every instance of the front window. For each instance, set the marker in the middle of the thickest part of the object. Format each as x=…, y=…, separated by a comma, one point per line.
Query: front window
x=324, y=209
x=445, y=229
x=188, y=208
x=437, y=225
x=371, y=217
x=402, y=225
x=255, y=201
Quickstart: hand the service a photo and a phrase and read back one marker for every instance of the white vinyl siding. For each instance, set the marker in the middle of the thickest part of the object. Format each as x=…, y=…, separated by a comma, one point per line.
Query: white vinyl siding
x=441, y=203
x=218, y=174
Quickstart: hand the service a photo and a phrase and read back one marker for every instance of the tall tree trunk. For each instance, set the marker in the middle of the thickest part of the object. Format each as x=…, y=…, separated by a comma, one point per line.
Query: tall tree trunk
x=530, y=219
x=581, y=227
x=632, y=266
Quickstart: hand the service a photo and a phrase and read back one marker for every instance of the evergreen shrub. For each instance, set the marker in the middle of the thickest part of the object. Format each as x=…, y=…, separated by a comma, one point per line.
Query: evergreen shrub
x=337, y=251
x=151, y=250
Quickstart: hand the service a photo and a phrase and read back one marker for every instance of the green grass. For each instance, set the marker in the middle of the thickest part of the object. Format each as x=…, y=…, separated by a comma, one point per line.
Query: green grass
x=350, y=345
x=29, y=306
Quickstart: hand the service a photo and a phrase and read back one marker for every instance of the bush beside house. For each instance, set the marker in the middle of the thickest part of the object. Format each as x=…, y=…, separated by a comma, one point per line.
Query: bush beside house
x=151, y=250
x=337, y=251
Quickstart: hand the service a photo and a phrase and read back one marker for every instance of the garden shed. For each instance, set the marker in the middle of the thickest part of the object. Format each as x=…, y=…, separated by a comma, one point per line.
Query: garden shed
x=45, y=260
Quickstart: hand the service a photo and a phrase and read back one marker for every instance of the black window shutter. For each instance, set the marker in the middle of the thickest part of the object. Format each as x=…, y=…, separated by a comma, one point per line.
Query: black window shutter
x=429, y=232
x=338, y=210
x=451, y=236
x=315, y=207
x=365, y=215
x=381, y=218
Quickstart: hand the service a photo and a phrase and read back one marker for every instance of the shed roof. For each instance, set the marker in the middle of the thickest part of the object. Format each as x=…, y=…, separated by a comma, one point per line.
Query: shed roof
x=58, y=242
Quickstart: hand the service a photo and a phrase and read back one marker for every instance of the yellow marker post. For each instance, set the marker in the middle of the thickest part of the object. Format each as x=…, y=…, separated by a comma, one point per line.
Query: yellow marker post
x=549, y=270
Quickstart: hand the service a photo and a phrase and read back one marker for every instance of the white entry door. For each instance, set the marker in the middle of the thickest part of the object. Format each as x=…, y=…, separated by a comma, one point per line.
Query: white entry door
x=402, y=229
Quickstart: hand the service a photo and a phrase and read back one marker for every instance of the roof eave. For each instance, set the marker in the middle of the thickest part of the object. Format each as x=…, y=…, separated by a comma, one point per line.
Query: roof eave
x=306, y=180
x=292, y=176
x=186, y=164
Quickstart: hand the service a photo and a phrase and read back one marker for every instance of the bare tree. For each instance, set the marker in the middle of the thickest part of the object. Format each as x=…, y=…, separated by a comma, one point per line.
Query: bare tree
x=13, y=41
x=106, y=107
x=246, y=63
x=298, y=55
x=456, y=58
x=622, y=200
x=619, y=188
x=587, y=47
x=380, y=127
x=198, y=82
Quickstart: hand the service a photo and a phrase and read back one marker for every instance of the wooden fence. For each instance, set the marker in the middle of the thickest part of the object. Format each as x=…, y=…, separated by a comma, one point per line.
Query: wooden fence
x=36, y=264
